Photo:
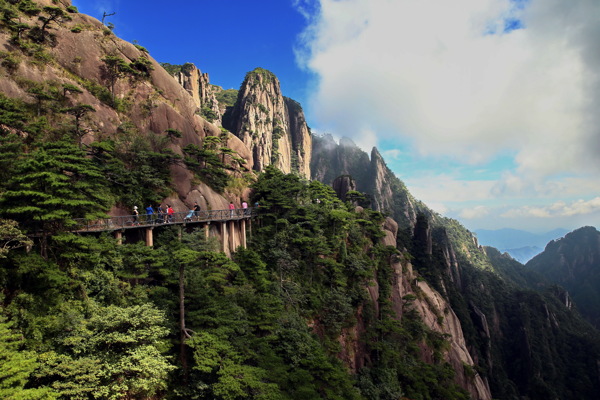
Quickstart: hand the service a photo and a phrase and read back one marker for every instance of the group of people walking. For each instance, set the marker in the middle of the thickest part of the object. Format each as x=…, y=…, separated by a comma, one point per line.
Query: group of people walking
x=161, y=215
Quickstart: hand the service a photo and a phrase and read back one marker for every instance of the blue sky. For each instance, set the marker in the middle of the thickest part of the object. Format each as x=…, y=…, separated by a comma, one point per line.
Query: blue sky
x=486, y=109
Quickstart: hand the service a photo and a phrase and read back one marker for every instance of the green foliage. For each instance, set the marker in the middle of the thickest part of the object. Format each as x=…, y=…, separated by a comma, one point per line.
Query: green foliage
x=207, y=163
x=17, y=367
x=72, y=9
x=11, y=237
x=52, y=185
x=135, y=169
x=115, y=353
x=29, y=7
x=51, y=14
x=171, y=68
x=142, y=67
x=174, y=133
x=115, y=68
x=227, y=97
x=208, y=114
x=10, y=61
x=140, y=48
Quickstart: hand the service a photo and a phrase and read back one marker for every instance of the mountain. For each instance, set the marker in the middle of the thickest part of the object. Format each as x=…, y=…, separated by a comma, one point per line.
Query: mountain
x=521, y=245
x=573, y=262
x=371, y=297
x=492, y=295
x=272, y=126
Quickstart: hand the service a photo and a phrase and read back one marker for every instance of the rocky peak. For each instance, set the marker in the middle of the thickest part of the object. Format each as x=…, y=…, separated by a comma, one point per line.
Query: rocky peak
x=435, y=312
x=198, y=86
x=271, y=126
x=390, y=195
x=342, y=185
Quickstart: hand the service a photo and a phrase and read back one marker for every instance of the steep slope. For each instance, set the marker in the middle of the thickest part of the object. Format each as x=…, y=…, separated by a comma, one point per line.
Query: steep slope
x=525, y=342
x=271, y=126
x=81, y=83
x=493, y=296
x=440, y=290
x=387, y=193
x=198, y=86
x=573, y=262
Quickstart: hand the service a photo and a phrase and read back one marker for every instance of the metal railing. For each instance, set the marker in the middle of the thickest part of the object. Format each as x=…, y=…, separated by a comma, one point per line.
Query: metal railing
x=144, y=220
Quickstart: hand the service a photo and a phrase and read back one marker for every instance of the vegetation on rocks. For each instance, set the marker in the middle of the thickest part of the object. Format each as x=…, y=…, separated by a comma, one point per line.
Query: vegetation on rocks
x=311, y=309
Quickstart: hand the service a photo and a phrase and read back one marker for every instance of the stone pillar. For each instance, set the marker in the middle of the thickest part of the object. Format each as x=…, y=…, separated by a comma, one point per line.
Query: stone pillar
x=149, y=237
x=224, y=238
x=119, y=237
x=243, y=232
x=231, y=236
x=206, y=230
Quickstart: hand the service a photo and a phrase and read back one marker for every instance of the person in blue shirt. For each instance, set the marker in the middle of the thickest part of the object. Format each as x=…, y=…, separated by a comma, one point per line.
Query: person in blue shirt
x=149, y=213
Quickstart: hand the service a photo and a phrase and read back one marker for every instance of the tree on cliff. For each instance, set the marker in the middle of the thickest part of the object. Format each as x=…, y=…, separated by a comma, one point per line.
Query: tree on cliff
x=17, y=367
x=52, y=185
x=114, y=68
x=79, y=111
x=53, y=14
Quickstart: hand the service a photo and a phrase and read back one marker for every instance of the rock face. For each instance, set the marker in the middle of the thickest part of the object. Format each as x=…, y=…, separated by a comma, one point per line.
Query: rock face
x=342, y=185
x=149, y=105
x=436, y=314
x=573, y=262
x=372, y=176
x=198, y=86
x=271, y=126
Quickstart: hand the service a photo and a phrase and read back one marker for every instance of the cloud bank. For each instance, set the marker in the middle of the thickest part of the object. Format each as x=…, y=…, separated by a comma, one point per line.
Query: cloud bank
x=467, y=79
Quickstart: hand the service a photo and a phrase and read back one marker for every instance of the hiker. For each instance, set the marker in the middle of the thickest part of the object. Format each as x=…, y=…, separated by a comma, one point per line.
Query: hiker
x=188, y=217
x=245, y=207
x=135, y=216
x=160, y=214
x=149, y=213
x=231, y=208
x=197, y=211
x=170, y=213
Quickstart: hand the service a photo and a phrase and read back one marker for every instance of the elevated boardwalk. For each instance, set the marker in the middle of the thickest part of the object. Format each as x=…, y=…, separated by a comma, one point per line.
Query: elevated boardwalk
x=231, y=225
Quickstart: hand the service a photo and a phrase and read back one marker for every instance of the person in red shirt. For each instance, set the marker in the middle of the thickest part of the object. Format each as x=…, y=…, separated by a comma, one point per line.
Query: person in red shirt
x=170, y=213
x=231, y=208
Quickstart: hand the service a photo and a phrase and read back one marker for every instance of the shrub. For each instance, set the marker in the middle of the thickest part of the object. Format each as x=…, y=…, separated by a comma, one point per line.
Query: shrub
x=9, y=61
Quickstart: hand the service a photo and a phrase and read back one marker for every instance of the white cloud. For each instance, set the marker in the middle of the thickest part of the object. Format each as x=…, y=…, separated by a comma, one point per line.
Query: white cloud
x=392, y=154
x=558, y=209
x=447, y=189
x=474, y=212
x=427, y=71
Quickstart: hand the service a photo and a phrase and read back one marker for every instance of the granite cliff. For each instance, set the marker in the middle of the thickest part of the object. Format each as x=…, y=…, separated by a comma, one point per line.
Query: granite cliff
x=386, y=192
x=272, y=126
x=440, y=271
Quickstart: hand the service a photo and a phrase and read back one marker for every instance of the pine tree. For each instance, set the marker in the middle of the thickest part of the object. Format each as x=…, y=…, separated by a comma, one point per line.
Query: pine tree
x=16, y=367
x=51, y=186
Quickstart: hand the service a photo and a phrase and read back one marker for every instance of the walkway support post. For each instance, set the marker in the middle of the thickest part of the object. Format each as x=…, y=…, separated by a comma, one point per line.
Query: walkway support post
x=231, y=236
x=149, y=237
x=119, y=237
x=243, y=232
x=224, y=238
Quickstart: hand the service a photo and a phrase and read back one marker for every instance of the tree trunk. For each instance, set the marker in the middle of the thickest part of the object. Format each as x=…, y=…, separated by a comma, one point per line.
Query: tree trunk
x=184, y=334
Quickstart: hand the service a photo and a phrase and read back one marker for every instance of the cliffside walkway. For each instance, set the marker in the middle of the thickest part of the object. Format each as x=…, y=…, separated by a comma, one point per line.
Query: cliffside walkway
x=231, y=224
x=143, y=220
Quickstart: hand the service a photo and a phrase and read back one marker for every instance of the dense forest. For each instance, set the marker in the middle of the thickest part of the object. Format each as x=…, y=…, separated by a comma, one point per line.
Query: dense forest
x=360, y=294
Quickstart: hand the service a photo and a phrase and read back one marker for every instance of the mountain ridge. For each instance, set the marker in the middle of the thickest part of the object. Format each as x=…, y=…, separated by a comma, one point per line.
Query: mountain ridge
x=439, y=311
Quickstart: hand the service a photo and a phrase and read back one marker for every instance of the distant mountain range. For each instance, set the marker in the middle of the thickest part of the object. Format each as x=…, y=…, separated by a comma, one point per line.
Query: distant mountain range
x=573, y=262
x=521, y=245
